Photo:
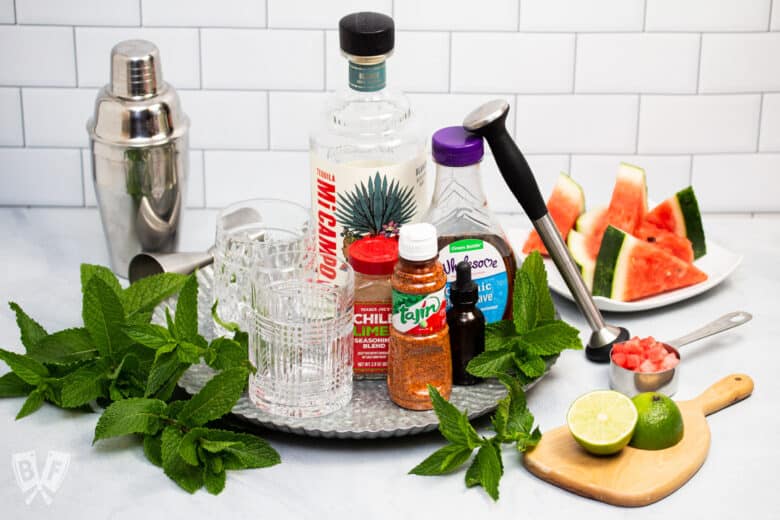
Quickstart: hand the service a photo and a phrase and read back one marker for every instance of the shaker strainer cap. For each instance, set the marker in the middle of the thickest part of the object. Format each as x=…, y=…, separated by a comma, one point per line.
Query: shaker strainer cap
x=136, y=72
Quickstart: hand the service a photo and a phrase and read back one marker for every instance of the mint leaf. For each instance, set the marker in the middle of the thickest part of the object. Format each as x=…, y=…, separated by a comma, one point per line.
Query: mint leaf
x=64, y=347
x=89, y=271
x=188, y=446
x=29, y=370
x=443, y=460
x=519, y=419
x=224, y=353
x=104, y=318
x=525, y=303
x=213, y=479
x=163, y=369
x=212, y=446
x=188, y=353
x=186, y=319
x=166, y=391
x=550, y=339
x=249, y=452
x=533, y=366
x=153, y=449
x=32, y=404
x=499, y=335
x=145, y=294
x=31, y=331
x=189, y=478
x=150, y=335
x=501, y=417
x=490, y=363
x=453, y=425
x=486, y=470
x=83, y=385
x=169, y=321
x=11, y=385
x=215, y=399
x=533, y=266
x=137, y=415
x=525, y=441
x=227, y=325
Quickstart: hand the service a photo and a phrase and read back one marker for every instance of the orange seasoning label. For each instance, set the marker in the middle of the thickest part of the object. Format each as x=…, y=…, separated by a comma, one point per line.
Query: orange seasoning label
x=371, y=337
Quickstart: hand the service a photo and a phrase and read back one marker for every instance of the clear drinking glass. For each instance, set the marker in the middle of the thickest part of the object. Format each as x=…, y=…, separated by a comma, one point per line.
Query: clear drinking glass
x=300, y=333
x=246, y=232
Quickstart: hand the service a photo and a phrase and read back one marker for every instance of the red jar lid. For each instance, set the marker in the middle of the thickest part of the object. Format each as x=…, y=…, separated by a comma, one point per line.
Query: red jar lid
x=374, y=255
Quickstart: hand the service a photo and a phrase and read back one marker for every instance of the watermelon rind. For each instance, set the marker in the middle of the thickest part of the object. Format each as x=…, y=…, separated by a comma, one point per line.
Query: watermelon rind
x=579, y=252
x=571, y=190
x=607, y=261
x=694, y=230
x=588, y=221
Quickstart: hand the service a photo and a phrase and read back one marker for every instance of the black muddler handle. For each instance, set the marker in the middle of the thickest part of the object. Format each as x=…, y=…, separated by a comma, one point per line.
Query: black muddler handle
x=489, y=121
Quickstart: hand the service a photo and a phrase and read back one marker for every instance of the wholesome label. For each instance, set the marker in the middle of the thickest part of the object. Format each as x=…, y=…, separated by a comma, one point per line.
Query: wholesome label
x=371, y=338
x=344, y=199
x=487, y=270
x=419, y=314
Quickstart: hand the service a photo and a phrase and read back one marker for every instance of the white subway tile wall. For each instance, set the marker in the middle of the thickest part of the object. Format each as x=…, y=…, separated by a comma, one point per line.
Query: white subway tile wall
x=688, y=89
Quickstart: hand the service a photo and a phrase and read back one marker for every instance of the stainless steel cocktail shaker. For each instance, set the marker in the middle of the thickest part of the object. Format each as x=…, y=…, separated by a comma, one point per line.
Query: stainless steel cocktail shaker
x=139, y=142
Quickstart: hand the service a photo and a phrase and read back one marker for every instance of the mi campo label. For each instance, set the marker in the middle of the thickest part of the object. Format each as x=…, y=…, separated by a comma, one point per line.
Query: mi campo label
x=487, y=270
x=419, y=314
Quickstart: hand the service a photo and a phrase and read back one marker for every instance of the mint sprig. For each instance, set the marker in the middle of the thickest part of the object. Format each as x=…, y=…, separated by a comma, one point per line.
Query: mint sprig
x=127, y=364
x=517, y=352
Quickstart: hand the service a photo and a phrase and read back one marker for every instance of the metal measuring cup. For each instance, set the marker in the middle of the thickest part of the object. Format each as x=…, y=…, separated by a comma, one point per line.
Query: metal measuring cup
x=632, y=383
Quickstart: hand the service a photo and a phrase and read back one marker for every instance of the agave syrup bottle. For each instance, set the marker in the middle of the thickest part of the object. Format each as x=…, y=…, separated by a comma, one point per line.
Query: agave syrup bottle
x=367, y=157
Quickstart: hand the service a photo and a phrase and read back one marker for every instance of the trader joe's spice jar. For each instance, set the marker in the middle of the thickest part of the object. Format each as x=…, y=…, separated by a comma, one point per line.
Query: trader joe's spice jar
x=419, y=352
x=373, y=260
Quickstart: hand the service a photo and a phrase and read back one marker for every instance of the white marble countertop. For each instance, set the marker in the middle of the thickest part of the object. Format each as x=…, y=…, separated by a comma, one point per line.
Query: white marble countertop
x=41, y=253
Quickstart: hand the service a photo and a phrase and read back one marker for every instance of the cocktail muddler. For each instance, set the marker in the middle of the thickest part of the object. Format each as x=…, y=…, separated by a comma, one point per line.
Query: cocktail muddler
x=489, y=122
x=138, y=139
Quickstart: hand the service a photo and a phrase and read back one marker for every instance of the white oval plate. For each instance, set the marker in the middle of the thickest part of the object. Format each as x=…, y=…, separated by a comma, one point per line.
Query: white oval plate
x=718, y=263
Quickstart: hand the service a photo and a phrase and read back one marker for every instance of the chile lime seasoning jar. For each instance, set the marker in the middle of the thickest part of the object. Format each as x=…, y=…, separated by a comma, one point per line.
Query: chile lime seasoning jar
x=419, y=353
x=373, y=260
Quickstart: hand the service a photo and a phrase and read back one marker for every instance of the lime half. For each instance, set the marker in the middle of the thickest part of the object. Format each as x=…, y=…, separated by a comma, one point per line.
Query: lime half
x=602, y=421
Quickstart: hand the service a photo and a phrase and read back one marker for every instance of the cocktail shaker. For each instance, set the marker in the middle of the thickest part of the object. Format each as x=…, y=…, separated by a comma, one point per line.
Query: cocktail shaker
x=139, y=143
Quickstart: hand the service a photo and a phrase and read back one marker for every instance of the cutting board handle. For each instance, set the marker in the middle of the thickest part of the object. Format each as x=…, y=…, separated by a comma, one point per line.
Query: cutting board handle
x=725, y=392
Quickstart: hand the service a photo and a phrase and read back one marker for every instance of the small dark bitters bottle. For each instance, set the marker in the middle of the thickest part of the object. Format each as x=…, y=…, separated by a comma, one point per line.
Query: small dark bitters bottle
x=467, y=325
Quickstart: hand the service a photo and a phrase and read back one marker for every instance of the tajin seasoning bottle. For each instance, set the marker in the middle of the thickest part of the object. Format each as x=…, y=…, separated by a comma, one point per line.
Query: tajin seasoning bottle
x=467, y=325
x=419, y=353
x=468, y=230
x=367, y=155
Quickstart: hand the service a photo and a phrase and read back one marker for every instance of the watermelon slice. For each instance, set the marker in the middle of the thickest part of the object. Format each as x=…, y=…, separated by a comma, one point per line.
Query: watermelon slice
x=586, y=263
x=680, y=215
x=628, y=269
x=677, y=245
x=591, y=220
x=627, y=208
x=566, y=203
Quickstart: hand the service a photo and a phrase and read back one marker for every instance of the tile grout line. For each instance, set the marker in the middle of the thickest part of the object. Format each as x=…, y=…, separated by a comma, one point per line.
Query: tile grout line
x=200, y=59
x=21, y=113
x=324, y=61
x=75, y=57
x=267, y=21
x=690, y=170
x=574, y=73
x=16, y=19
x=771, y=9
x=83, y=184
x=140, y=13
x=518, y=14
x=698, y=63
x=638, y=116
x=202, y=154
x=449, y=72
x=644, y=18
x=760, y=122
x=268, y=120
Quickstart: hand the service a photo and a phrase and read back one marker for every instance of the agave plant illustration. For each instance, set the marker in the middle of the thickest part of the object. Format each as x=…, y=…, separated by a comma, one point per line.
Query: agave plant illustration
x=369, y=208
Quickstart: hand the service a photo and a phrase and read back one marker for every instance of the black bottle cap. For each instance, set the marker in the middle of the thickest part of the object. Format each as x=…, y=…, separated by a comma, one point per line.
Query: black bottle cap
x=366, y=34
x=464, y=290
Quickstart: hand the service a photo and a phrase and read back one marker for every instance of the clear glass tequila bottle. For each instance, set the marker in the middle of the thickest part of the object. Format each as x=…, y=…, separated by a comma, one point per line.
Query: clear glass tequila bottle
x=367, y=155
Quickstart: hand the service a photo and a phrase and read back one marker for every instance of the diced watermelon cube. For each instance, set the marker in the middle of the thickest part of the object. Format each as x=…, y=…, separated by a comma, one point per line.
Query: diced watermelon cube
x=656, y=353
x=670, y=361
x=647, y=366
x=632, y=361
x=619, y=358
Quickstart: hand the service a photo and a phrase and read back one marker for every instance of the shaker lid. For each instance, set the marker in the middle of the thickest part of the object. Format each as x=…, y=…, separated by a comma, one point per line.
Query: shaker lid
x=136, y=72
x=456, y=146
x=374, y=255
x=366, y=34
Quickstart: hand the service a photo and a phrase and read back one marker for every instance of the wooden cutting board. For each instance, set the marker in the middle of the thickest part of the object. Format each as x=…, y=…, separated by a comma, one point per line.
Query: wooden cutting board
x=636, y=477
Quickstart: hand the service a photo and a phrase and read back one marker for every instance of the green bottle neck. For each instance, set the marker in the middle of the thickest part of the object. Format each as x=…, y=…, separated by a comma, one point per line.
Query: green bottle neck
x=367, y=78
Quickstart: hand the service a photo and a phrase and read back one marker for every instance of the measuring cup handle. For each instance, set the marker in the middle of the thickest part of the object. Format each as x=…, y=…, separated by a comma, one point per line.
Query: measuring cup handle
x=725, y=322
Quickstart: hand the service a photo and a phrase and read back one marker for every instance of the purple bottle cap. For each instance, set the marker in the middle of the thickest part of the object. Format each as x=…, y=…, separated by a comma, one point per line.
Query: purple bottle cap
x=456, y=146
